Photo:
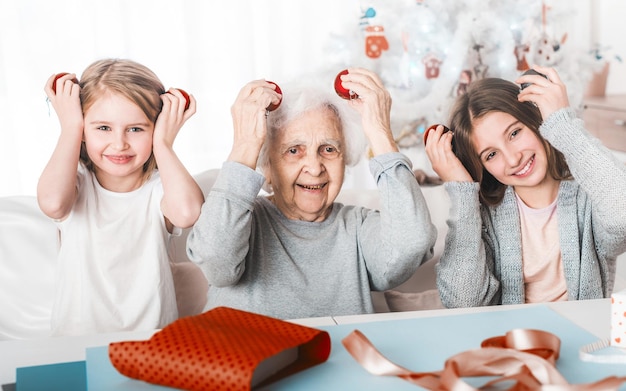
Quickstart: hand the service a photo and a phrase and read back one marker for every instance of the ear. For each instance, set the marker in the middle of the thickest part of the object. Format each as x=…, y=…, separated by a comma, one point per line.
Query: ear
x=267, y=186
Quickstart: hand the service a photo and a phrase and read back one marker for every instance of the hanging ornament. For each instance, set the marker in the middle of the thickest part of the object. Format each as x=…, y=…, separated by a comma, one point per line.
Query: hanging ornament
x=520, y=51
x=342, y=91
x=547, y=47
x=367, y=15
x=273, y=106
x=547, y=51
x=431, y=65
x=433, y=127
x=480, y=69
x=186, y=96
x=465, y=79
x=520, y=55
x=375, y=41
x=57, y=77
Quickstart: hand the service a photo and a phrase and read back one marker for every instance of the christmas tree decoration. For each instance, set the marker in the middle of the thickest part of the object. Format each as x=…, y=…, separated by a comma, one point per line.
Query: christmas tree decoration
x=341, y=90
x=57, y=77
x=530, y=72
x=375, y=41
x=430, y=52
x=273, y=106
x=186, y=96
x=433, y=127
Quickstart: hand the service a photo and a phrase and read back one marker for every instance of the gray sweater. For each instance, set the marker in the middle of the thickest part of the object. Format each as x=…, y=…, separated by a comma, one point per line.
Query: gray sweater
x=482, y=259
x=257, y=260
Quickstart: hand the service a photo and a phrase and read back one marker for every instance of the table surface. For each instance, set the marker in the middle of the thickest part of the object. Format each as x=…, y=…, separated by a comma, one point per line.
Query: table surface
x=591, y=315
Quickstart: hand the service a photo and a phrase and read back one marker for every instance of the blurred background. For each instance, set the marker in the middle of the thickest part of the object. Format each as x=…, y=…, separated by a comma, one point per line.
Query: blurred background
x=427, y=52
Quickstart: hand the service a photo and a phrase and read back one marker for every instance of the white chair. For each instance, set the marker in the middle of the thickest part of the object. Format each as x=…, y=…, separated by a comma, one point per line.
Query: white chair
x=28, y=245
x=191, y=285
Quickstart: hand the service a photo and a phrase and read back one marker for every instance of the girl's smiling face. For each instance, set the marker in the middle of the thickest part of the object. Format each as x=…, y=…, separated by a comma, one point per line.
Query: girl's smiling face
x=118, y=139
x=510, y=151
x=306, y=165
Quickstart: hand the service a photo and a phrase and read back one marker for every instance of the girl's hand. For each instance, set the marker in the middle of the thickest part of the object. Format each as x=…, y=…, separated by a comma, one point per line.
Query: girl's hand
x=444, y=161
x=172, y=117
x=249, y=120
x=549, y=94
x=66, y=101
x=374, y=105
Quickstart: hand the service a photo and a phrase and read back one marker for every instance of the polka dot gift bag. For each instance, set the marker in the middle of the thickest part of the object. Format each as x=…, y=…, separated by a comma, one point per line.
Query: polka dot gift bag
x=221, y=349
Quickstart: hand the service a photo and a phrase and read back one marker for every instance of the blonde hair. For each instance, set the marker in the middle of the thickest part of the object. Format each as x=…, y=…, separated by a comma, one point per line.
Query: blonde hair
x=130, y=79
x=311, y=93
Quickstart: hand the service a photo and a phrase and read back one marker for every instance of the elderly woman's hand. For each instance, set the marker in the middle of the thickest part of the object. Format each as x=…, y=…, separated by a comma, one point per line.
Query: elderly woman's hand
x=374, y=105
x=249, y=122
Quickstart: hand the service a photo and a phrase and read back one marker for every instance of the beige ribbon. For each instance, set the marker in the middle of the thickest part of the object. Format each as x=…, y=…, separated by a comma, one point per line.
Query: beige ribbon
x=522, y=356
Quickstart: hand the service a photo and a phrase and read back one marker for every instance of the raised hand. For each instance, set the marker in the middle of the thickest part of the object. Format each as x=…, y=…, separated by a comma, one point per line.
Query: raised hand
x=63, y=93
x=249, y=120
x=548, y=93
x=178, y=107
x=442, y=158
x=374, y=105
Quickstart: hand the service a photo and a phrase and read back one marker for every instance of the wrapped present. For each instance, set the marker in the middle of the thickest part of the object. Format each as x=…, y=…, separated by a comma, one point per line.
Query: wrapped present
x=618, y=319
x=221, y=349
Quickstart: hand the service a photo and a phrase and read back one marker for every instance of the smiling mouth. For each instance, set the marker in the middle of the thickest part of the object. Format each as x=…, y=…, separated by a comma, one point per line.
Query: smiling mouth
x=313, y=187
x=119, y=158
x=526, y=168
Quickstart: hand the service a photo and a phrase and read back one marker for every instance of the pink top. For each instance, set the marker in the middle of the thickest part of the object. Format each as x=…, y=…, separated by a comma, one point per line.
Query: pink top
x=544, y=279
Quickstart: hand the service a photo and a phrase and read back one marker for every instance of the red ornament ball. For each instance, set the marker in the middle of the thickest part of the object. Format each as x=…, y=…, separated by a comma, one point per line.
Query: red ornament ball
x=341, y=90
x=186, y=96
x=433, y=127
x=273, y=106
x=57, y=77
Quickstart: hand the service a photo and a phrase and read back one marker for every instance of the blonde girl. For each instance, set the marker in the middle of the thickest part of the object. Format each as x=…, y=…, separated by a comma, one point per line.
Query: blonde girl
x=117, y=190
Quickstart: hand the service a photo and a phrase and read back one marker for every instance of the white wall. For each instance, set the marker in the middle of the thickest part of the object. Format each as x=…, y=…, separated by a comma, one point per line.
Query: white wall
x=609, y=28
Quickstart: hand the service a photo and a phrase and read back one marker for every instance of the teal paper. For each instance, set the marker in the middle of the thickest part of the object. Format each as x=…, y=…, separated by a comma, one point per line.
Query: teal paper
x=54, y=377
x=102, y=375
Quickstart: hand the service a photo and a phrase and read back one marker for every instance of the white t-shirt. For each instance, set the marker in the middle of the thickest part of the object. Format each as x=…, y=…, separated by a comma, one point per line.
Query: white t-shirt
x=113, y=267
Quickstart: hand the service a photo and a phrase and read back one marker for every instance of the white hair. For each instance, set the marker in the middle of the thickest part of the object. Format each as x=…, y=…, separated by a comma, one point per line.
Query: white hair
x=311, y=93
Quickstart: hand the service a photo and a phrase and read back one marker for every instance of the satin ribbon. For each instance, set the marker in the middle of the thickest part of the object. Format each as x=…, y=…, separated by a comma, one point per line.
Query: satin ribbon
x=522, y=356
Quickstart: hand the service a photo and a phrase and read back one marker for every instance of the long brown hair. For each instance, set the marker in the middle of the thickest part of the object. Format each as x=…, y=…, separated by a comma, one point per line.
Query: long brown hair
x=130, y=79
x=496, y=95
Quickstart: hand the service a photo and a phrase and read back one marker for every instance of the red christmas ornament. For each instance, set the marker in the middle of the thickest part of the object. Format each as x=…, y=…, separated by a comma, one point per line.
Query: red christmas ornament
x=341, y=90
x=432, y=127
x=186, y=96
x=273, y=106
x=57, y=77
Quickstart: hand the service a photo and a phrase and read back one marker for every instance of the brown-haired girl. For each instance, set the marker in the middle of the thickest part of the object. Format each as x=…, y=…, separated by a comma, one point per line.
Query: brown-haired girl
x=538, y=205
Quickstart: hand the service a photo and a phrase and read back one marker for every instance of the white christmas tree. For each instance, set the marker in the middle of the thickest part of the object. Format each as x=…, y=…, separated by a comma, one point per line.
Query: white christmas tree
x=428, y=52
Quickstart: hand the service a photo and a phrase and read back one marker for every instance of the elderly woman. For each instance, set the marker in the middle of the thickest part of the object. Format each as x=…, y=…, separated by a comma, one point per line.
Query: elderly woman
x=294, y=253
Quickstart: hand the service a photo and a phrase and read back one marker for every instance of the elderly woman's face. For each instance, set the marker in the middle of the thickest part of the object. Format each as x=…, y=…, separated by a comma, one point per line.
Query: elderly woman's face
x=306, y=165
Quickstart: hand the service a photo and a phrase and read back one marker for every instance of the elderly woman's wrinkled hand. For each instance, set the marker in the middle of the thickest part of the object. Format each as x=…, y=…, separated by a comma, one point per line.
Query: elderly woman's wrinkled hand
x=374, y=105
x=249, y=120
